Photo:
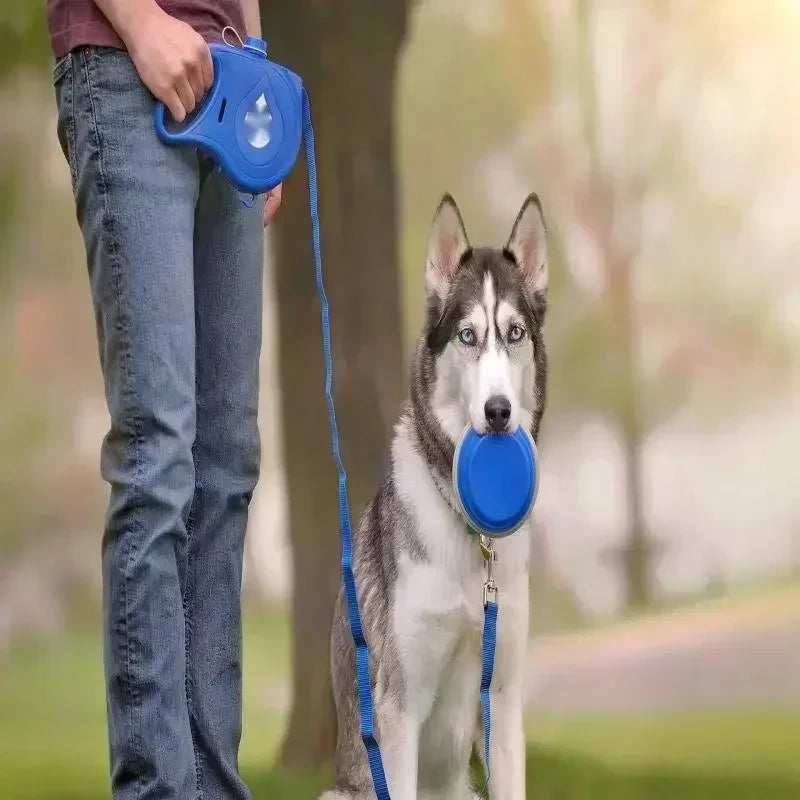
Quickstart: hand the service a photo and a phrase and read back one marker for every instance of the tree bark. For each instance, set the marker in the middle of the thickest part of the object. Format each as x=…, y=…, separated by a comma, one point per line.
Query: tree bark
x=637, y=552
x=347, y=54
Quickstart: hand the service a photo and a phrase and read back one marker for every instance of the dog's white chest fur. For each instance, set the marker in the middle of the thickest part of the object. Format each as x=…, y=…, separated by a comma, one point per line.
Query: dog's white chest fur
x=438, y=618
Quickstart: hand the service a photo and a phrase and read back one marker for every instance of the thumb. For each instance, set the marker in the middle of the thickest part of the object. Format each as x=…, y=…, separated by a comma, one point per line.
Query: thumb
x=273, y=204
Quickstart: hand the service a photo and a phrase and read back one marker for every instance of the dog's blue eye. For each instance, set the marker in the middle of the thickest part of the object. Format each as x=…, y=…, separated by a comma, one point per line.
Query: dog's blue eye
x=466, y=336
x=515, y=333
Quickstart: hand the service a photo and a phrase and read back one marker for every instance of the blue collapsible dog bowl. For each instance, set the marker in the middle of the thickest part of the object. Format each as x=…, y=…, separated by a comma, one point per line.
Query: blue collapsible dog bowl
x=496, y=479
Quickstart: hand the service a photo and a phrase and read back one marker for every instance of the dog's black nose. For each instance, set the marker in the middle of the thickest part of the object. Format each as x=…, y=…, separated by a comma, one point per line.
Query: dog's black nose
x=498, y=412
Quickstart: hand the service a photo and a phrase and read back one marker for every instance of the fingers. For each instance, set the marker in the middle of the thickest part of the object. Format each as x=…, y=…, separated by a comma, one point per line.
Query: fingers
x=196, y=80
x=186, y=95
x=195, y=76
x=174, y=105
x=273, y=204
x=207, y=67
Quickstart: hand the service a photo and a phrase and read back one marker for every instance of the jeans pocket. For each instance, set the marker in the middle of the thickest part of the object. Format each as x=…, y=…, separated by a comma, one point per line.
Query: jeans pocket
x=63, y=84
x=62, y=67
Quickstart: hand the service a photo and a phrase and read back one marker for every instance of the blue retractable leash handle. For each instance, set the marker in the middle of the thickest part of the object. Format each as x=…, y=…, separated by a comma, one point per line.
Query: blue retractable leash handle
x=251, y=124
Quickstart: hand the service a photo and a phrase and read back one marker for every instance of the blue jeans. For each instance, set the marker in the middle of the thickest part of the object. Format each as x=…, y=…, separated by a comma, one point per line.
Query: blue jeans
x=175, y=266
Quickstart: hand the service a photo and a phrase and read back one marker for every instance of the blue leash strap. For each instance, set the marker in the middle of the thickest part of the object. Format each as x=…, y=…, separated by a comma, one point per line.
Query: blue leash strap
x=356, y=627
x=487, y=668
x=362, y=651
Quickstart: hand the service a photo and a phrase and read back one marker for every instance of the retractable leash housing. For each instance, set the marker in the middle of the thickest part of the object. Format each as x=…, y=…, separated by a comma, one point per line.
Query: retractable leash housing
x=251, y=121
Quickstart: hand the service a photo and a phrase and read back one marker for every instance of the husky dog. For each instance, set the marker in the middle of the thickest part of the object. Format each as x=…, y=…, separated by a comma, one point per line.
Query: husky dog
x=419, y=574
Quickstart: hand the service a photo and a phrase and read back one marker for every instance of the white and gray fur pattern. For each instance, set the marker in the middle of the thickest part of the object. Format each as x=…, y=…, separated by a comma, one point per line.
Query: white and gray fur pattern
x=419, y=574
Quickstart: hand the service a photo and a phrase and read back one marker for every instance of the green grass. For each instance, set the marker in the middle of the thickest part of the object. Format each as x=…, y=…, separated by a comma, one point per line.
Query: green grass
x=53, y=747
x=751, y=742
x=734, y=754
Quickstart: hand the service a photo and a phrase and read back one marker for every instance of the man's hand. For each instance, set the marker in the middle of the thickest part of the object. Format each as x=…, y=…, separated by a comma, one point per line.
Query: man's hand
x=172, y=59
x=273, y=203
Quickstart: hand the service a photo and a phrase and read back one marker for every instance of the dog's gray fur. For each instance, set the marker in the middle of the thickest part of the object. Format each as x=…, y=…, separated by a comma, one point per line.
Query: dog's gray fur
x=424, y=758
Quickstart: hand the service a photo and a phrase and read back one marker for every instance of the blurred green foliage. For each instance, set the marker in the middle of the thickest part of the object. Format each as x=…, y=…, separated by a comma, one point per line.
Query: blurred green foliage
x=23, y=34
x=10, y=181
x=24, y=44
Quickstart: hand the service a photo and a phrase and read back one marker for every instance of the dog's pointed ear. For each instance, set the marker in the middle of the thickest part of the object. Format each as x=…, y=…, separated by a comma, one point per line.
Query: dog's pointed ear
x=447, y=247
x=528, y=245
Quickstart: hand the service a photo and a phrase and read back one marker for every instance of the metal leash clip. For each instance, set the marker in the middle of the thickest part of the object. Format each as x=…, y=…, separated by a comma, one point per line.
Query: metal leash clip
x=489, y=556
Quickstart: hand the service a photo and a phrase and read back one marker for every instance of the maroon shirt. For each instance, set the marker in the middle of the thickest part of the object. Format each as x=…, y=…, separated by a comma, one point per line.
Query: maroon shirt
x=74, y=23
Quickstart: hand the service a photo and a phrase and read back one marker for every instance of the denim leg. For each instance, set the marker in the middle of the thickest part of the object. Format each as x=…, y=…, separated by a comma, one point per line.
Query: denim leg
x=136, y=203
x=228, y=304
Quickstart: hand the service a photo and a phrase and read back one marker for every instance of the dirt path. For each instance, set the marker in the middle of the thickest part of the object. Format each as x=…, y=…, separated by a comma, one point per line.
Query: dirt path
x=737, y=654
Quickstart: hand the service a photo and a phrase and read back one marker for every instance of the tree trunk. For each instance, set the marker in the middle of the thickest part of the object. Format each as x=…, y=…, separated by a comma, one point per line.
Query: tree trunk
x=637, y=551
x=347, y=54
x=634, y=556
